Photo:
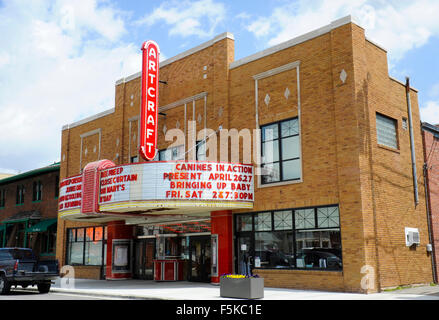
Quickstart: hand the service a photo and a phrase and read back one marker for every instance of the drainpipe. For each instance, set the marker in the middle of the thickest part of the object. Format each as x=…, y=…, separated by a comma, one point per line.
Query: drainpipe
x=412, y=142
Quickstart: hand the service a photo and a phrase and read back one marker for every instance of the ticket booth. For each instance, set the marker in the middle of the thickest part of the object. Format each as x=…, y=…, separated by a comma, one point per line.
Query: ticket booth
x=119, y=251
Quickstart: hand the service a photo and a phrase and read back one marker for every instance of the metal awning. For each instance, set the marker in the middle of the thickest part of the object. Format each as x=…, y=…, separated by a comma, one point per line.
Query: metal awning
x=42, y=226
x=23, y=217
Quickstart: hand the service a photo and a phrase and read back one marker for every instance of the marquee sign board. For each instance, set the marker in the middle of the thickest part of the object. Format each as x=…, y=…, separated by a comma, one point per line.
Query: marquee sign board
x=150, y=99
x=167, y=184
x=70, y=194
x=177, y=181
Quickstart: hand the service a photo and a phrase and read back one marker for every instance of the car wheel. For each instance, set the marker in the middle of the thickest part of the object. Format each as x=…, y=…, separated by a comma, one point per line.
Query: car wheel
x=44, y=287
x=5, y=286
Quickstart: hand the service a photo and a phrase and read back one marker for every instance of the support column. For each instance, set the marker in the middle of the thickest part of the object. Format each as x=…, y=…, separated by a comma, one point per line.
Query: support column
x=221, y=224
x=119, y=241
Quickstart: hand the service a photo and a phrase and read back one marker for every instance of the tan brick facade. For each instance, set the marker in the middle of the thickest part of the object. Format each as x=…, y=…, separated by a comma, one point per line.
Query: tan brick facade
x=341, y=160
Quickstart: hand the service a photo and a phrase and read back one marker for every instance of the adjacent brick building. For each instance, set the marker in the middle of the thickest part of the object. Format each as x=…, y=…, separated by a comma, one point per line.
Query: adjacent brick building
x=430, y=135
x=28, y=210
x=337, y=194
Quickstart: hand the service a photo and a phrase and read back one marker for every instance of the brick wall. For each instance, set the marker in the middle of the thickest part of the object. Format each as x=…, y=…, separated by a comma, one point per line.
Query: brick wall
x=48, y=205
x=431, y=156
x=341, y=160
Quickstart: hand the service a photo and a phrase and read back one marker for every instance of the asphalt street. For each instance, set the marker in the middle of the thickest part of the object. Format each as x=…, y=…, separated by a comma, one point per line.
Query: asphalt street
x=23, y=294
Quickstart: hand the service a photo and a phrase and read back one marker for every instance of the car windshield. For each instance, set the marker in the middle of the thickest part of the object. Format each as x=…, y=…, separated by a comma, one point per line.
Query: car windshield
x=21, y=254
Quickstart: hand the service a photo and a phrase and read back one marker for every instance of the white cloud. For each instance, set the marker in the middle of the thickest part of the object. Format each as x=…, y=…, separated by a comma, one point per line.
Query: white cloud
x=430, y=113
x=4, y=59
x=187, y=18
x=261, y=27
x=433, y=92
x=58, y=62
x=396, y=25
x=8, y=171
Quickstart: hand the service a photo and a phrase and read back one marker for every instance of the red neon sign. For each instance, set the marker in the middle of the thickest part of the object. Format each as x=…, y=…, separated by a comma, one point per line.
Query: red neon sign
x=150, y=99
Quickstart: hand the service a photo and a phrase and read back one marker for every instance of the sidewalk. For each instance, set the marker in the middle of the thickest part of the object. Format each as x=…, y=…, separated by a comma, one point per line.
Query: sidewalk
x=183, y=290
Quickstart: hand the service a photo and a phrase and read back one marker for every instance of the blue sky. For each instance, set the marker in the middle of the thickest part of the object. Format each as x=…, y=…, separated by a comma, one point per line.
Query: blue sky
x=59, y=59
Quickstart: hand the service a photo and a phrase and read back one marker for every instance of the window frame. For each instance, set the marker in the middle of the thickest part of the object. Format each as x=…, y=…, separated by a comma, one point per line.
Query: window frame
x=162, y=151
x=37, y=191
x=48, y=243
x=19, y=199
x=2, y=198
x=280, y=160
x=395, y=121
x=200, y=144
x=84, y=241
x=252, y=232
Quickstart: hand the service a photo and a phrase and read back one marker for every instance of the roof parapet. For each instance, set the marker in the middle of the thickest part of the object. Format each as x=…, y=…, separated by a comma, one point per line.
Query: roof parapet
x=182, y=55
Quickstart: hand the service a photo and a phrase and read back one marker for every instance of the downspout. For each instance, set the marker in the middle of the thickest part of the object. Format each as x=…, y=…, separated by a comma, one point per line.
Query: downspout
x=412, y=142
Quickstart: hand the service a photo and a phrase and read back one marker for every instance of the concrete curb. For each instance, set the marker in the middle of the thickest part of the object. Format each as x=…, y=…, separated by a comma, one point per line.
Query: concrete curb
x=99, y=294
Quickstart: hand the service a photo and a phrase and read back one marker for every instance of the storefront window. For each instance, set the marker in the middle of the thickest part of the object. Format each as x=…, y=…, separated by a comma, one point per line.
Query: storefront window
x=85, y=246
x=48, y=241
x=305, y=219
x=244, y=223
x=76, y=254
x=283, y=220
x=263, y=221
x=319, y=249
x=93, y=253
x=274, y=249
x=302, y=238
x=328, y=217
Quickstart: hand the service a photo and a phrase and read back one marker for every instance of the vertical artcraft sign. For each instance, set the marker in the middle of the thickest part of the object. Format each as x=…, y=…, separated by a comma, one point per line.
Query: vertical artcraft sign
x=150, y=99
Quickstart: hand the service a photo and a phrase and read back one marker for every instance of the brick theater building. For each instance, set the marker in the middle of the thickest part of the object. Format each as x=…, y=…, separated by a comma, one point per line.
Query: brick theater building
x=335, y=203
x=28, y=210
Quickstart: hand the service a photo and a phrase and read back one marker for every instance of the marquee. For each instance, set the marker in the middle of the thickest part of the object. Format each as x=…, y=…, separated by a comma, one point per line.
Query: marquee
x=169, y=185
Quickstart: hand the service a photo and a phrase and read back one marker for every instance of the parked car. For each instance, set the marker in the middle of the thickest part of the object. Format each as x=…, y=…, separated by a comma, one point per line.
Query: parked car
x=315, y=257
x=20, y=267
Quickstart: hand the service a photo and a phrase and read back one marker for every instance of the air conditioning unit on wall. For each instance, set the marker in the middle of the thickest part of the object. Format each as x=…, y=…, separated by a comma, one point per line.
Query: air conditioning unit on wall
x=412, y=237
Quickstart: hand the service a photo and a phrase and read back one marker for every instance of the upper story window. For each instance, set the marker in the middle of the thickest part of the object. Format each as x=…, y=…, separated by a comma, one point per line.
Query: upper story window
x=20, y=194
x=37, y=191
x=280, y=151
x=201, y=150
x=386, y=131
x=174, y=153
x=2, y=198
x=134, y=159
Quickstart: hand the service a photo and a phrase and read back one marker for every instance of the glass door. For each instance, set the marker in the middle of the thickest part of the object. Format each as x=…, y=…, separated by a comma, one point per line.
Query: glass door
x=144, y=252
x=149, y=254
x=245, y=253
x=199, y=259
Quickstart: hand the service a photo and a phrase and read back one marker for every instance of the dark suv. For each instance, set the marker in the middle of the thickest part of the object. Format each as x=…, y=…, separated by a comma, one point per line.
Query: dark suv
x=19, y=266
